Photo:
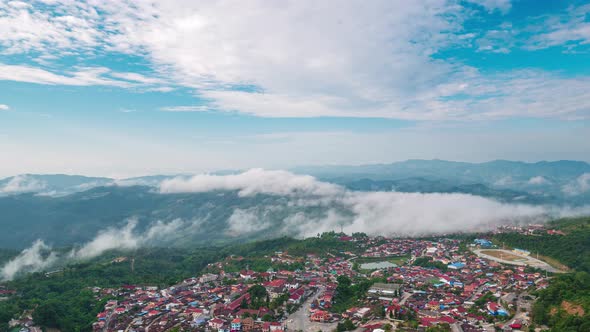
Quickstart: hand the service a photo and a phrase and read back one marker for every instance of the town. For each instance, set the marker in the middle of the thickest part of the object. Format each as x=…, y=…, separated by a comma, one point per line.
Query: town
x=381, y=284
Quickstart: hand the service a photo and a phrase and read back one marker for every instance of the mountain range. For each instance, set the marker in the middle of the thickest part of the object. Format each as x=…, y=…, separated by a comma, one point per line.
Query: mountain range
x=71, y=209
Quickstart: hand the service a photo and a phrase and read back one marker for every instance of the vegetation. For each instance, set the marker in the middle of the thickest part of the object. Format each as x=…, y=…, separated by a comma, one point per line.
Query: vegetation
x=65, y=301
x=565, y=304
x=428, y=262
x=572, y=249
x=346, y=325
x=349, y=294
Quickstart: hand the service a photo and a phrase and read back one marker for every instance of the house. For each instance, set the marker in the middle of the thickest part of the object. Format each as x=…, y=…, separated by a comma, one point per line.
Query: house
x=247, y=274
x=247, y=324
x=483, y=243
x=276, y=287
x=296, y=296
x=385, y=291
x=236, y=325
x=320, y=316
x=208, y=278
x=216, y=323
x=456, y=266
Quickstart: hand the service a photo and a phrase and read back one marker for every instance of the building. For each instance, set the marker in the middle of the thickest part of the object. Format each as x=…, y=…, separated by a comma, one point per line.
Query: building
x=385, y=291
x=236, y=325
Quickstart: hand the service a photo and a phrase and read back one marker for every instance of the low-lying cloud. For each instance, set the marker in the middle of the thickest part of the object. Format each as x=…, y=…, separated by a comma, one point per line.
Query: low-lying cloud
x=300, y=206
x=22, y=184
x=36, y=258
x=385, y=213
x=252, y=182
x=41, y=256
x=578, y=186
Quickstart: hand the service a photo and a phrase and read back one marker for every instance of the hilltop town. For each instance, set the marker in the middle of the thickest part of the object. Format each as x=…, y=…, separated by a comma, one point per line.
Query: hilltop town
x=435, y=284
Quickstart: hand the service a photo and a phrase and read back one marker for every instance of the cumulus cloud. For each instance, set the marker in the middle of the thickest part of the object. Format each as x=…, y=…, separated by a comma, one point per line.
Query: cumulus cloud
x=252, y=182
x=378, y=62
x=492, y=5
x=578, y=186
x=537, y=180
x=22, y=184
x=36, y=258
x=4, y=107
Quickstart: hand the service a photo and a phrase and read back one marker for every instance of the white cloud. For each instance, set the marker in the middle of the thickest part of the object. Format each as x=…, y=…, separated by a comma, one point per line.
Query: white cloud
x=299, y=58
x=246, y=221
x=368, y=60
x=129, y=238
x=139, y=78
x=569, y=29
x=491, y=5
x=81, y=77
x=40, y=256
x=35, y=258
x=194, y=108
x=4, y=107
x=384, y=213
x=22, y=184
x=504, y=181
x=578, y=186
x=537, y=180
x=252, y=182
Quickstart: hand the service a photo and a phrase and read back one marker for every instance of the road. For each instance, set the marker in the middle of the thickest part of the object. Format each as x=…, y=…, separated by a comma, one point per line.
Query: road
x=405, y=297
x=300, y=321
x=526, y=260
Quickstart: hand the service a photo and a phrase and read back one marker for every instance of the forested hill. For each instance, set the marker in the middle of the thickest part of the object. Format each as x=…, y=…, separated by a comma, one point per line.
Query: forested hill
x=571, y=249
x=565, y=304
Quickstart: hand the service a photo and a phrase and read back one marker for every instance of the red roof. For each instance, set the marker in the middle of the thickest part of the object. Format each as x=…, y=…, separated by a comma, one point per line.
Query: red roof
x=276, y=283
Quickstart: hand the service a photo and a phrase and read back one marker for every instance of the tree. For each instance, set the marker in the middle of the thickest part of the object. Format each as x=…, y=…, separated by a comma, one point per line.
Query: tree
x=346, y=325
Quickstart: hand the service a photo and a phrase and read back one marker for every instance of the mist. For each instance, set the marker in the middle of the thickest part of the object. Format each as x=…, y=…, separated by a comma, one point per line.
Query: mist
x=36, y=258
x=41, y=256
x=301, y=206
x=375, y=213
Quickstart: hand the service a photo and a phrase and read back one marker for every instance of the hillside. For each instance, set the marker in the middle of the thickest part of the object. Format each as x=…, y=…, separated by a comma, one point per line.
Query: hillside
x=571, y=249
x=565, y=304
x=561, y=181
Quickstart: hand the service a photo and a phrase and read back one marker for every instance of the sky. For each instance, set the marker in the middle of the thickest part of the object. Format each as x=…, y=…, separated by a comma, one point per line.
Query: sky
x=127, y=88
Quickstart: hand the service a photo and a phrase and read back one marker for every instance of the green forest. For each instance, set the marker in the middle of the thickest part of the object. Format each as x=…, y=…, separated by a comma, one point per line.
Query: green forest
x=63, y=300
x=558, y=306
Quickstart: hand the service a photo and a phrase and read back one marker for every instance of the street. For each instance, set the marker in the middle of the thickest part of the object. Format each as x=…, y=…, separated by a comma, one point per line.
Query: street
x=299, y=320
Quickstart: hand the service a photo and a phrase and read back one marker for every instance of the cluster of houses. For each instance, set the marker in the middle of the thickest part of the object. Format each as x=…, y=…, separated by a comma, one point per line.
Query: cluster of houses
x=469, y=293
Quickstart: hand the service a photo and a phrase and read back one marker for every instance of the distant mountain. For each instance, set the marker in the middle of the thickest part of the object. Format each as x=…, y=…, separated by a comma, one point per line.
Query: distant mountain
x=50, y=184
x=442, y=186
x=561, y=181
x=68, y=209
x=77, y=218
x=442, y=169
x=62, y=184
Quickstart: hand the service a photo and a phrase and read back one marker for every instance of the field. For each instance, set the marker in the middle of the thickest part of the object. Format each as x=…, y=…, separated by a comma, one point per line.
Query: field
x=509, y=257
x=399, y=260
x=504, y=255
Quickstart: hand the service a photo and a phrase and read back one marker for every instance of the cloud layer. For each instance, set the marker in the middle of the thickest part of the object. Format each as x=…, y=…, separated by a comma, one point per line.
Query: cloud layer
x=36, y=258
x=385, y=213
x=301, y=206
x=41, y=256
x=301, y=58
x=22, y=184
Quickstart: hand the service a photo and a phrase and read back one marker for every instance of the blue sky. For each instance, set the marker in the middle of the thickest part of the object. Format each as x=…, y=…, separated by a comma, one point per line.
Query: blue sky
x=124, y=88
